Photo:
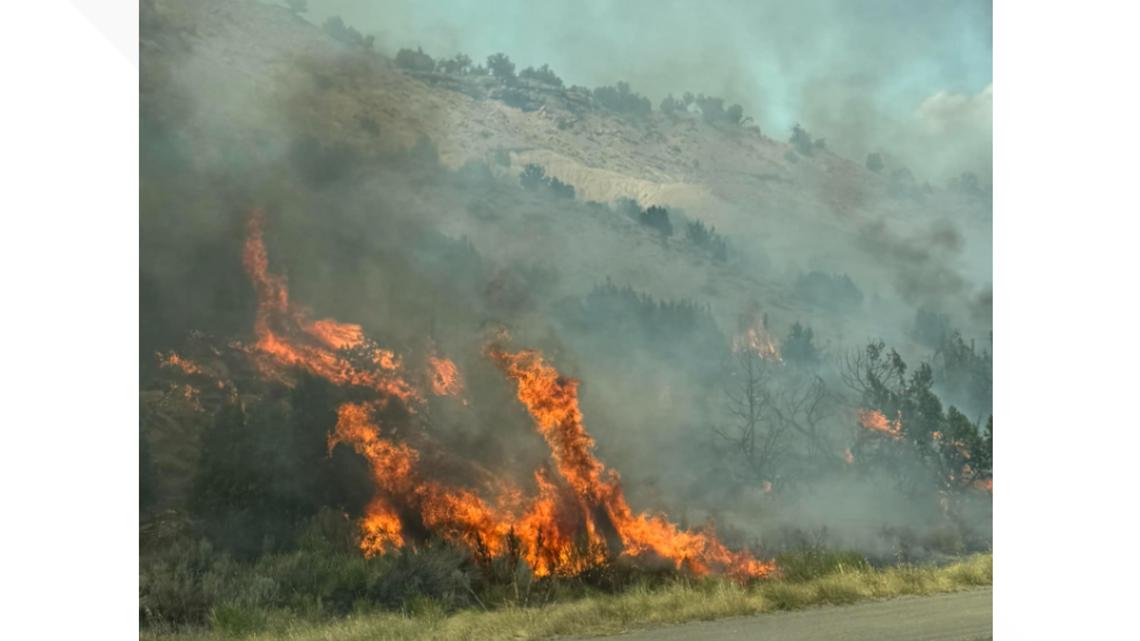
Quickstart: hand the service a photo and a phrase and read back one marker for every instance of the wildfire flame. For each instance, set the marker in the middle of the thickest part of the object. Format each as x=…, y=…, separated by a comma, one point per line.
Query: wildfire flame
x=542, y=530
x=877, y=421
x=552, y=400
x=445, y=379
x=573, y=522
x=752, y=335
x=757, y=339
x=172, y=359
x=288, y=338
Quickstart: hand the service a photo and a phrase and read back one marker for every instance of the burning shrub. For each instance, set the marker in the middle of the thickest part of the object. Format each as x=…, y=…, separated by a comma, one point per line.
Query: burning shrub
x=927, y=447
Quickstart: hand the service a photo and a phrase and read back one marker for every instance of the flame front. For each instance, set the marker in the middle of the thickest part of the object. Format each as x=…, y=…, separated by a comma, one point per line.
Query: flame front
x=574, y=521
x=552, y=400
x=542, y=530
x=288, y=338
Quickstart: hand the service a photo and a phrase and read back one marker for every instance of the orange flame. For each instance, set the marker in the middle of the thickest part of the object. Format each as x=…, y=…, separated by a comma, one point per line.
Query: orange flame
x=288, y=338
x=445, y=380
x=458, y=514
x=172, y=359
x=757, y=339
x=876, y=421
x=552, y=400
x=571, y=524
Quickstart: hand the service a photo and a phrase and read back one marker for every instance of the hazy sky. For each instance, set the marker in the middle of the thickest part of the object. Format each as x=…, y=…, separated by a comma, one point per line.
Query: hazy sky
x=909, y=78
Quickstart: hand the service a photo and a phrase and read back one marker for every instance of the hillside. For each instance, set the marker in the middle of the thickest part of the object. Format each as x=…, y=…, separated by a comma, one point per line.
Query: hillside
x=262, y=76
x=399, y=307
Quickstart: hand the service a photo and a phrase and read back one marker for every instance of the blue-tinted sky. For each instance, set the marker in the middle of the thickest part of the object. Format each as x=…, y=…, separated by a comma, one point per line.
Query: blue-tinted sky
x=856, y=72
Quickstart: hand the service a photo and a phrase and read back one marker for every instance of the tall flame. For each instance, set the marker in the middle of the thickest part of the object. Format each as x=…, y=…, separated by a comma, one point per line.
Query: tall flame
x=758, y=341
x=457, y=514
x=753, y=336
x=542, y=529
x=552, y=400
x=288, y=338
x=572, y=522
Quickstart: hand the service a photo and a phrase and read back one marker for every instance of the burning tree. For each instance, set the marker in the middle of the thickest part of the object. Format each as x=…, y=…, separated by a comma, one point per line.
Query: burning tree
x=777, y=416
x=751, y=429
x=922, y=440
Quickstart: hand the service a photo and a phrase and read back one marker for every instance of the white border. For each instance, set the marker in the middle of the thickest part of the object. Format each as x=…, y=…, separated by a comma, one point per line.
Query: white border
x=1065, y=320
x=1067, y=238
x=69, y=270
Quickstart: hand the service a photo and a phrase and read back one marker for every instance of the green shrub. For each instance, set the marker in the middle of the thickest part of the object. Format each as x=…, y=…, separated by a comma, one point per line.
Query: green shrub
x=236, y=620
x=619, y=98
x=501, y=67
x=414, y=60
x=458, y=64
x=543, y=74
x=534, y=178
x=804, y=565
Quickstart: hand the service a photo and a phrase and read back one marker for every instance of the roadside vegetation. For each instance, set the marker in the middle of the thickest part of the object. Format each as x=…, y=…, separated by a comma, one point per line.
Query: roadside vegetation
x=812, y=578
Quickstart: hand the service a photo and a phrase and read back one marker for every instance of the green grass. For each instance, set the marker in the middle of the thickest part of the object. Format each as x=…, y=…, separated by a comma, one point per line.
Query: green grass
x=842, y=581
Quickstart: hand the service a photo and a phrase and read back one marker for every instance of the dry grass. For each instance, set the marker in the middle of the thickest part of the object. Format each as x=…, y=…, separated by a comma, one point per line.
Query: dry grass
x=635, y=608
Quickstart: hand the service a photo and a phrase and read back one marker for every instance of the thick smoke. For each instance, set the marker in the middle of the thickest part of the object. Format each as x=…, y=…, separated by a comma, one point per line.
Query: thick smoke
x=404, y=206
x=909, y=80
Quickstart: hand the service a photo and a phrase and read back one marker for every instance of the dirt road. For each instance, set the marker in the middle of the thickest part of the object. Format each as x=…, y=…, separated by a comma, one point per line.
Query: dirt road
x=961, y=616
